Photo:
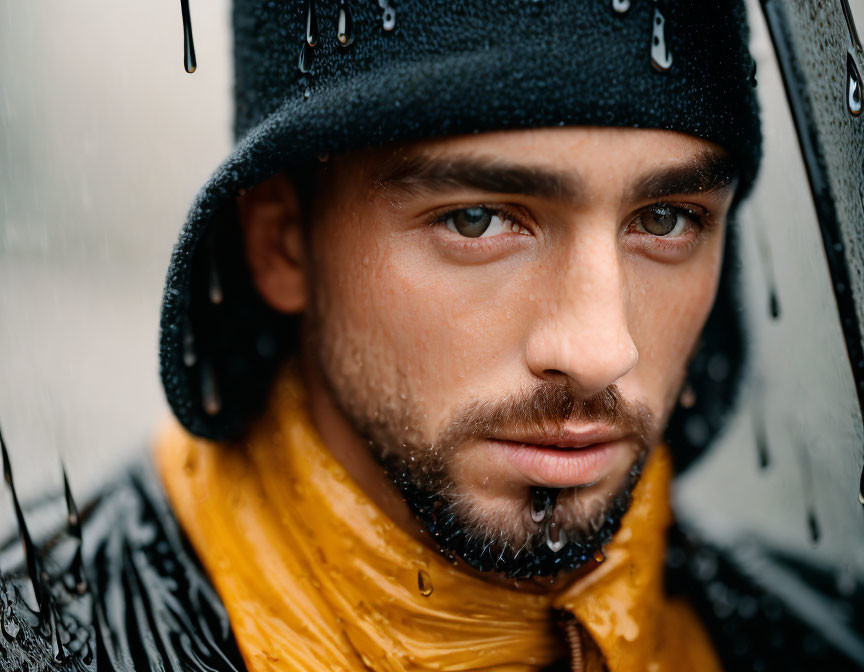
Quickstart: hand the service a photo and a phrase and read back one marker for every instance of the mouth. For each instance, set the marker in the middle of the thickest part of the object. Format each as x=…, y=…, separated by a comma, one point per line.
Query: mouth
x=569, y=458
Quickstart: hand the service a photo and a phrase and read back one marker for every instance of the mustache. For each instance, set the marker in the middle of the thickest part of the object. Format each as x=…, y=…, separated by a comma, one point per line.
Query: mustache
x=549, y=406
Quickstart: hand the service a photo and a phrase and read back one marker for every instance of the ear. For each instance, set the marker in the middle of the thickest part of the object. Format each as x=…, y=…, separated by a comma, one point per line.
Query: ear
x=273, y=236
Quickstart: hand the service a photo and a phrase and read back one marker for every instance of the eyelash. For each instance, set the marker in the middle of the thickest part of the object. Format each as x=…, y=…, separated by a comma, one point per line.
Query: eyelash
x=698, y=217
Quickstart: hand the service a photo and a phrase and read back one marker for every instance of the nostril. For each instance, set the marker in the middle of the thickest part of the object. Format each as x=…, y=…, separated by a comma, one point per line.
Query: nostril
x=554, y=372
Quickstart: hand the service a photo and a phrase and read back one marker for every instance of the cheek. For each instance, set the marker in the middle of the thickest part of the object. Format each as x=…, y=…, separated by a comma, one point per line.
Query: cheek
x=435, y=331
x=669, y=306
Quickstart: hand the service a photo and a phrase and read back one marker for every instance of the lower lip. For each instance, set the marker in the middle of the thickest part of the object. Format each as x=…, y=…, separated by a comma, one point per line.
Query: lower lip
x=560, y=467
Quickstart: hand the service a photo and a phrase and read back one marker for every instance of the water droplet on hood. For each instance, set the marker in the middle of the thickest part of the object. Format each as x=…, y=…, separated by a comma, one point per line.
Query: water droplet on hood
x=388, y=17
x=661, y=55
x=345, y=30
x=189, y=62
x=304, y=61
x=853, y=87
x=311, y=24
x=424, y=583
x=210, y=400
x=621, y=6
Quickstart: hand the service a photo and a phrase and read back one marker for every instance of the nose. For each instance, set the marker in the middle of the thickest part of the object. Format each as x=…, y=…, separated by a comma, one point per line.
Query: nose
x=582, y=331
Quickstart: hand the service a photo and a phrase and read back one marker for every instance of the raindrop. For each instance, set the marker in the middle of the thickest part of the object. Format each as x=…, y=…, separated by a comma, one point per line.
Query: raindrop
x=210, y=400
x=753, y=81
x=215, y=288
x=424, y=583
x=542, y=503
x=774, y=304
x=599, y=555
x=189, y=62
x=73, y=520
x=304, y=61
x=853, y=87
x=345, y=30
x=861, y=489
x=768, y=272
x=661, y=55
x=311, y=24
x=323, y=157
x=388, y=17
x=813, y=526
x=189, y=356
x=556, y=538
x=621, y=6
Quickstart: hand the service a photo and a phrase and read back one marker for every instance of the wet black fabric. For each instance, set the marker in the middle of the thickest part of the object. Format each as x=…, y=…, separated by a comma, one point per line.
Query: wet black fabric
x=148, y=605
x=444, y=68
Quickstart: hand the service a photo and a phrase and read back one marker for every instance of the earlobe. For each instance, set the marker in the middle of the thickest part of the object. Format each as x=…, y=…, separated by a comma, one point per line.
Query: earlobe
x=273, y=237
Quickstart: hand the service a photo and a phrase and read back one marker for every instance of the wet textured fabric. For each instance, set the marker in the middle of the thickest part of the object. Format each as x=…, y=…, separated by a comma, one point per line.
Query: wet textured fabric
x=442, y=68
x=314, y=577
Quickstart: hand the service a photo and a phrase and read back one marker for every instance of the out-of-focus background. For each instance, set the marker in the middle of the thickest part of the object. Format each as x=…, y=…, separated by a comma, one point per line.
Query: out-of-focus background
x=104, y=141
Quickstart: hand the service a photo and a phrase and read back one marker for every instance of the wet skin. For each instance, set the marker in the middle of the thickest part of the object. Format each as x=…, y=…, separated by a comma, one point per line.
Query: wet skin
x=445, y=284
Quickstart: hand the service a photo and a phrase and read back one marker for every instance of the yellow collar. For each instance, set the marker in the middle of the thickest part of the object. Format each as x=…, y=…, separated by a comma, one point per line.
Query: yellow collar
x=315, y=578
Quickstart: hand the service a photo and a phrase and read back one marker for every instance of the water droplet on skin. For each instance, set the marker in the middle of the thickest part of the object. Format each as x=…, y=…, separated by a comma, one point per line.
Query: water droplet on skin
x=189, y=62
x=556, y=538
x=661, y=55
x=621, y=6
x=345, y=30
x=599, y=556
x=311, y=24
x=542, y=503
x=424, y=583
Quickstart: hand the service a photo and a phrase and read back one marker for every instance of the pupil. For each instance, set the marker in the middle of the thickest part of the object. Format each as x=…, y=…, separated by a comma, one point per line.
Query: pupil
x=472, y=222
x=660, y=220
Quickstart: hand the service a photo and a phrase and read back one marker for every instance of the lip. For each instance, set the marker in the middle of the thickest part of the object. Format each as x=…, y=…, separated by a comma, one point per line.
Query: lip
x=570, y=458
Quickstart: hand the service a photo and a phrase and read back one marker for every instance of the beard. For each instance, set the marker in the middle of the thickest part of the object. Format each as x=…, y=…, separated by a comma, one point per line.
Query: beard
x=576, y=522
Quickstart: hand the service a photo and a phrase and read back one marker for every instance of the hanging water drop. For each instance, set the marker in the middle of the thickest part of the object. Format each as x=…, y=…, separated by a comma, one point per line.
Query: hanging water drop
x=345, y=29
x=556, y=538
x=388, y=17
x=311, y=24
x=304, y=60
x=542, y=503
x=853, y=87
x=210, y=400
x=813, y=526
x=661, y=55
x=214, y=290
x=189, y=356
x=189, y=62
x=599, y=556
x=621, y=6
x=861, y=489
x=773, y=304
x=424, y=583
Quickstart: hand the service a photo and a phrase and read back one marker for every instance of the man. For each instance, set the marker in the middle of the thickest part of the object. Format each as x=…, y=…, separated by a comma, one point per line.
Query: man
x=424, y=333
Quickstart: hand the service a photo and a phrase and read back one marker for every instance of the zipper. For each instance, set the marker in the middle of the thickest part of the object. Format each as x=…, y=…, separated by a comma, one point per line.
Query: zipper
x=573, y=634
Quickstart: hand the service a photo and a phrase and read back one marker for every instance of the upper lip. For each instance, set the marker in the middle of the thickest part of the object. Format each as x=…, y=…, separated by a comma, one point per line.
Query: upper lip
x=568, y=437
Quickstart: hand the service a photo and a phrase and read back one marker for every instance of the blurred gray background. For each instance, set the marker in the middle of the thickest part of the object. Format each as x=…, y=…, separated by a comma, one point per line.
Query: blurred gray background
x=104, y=141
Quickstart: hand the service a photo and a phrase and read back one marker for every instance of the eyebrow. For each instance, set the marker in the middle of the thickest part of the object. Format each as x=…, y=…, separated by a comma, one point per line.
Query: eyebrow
x=422, y=174
x=704, y=173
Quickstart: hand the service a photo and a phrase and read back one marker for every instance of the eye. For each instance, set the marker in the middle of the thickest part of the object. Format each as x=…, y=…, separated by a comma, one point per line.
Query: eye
x=665, y=220
x=480, y=222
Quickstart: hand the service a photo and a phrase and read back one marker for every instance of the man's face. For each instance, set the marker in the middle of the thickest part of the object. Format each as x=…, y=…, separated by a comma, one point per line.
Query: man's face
x=505, y=319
